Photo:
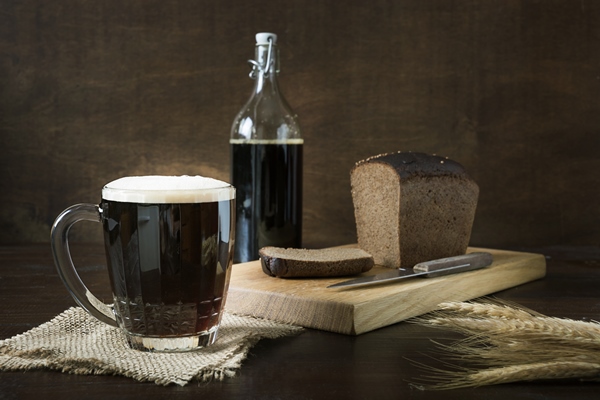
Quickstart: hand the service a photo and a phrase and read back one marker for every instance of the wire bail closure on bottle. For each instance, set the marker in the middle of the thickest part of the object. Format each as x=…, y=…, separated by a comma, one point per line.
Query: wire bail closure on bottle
x=266, y=67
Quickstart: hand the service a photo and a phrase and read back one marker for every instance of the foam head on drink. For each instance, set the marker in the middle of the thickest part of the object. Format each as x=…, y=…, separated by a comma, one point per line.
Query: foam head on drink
x=167, y=189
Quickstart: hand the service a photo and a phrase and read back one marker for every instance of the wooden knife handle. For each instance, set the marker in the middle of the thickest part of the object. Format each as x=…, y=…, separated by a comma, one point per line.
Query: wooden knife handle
x=453, y=265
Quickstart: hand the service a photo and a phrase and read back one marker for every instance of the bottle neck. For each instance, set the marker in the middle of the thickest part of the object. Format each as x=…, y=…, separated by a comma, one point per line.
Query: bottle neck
x=266, y=115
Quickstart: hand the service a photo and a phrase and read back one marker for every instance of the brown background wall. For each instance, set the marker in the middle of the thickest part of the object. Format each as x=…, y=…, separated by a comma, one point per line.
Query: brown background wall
x=94, y=90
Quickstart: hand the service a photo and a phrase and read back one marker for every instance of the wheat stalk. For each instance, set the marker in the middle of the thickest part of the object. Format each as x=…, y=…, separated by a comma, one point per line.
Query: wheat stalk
x=513, y=373
x=486, y=308
x=540, y=329
x=512, y=344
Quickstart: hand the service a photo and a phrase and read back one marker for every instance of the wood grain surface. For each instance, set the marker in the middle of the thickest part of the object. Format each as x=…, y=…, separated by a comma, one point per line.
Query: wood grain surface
x=354, y=311
x=92, y=91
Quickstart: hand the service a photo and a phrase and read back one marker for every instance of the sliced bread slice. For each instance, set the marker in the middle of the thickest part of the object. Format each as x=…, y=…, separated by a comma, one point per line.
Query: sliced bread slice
x=303, y=263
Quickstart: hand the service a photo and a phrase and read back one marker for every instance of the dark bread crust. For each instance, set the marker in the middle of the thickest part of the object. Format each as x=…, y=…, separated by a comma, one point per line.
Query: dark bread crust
x=304, y=263
x=409, y=165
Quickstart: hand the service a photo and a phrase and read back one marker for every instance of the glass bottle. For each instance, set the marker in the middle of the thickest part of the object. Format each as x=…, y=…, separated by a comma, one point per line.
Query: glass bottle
x=266, y=161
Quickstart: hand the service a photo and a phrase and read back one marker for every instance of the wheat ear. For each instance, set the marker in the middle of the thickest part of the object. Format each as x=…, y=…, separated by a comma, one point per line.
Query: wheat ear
x=514, y=373
x=512, y=344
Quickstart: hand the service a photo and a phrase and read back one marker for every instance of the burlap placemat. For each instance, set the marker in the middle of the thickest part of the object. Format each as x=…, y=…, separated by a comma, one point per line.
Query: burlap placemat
x=77, y=343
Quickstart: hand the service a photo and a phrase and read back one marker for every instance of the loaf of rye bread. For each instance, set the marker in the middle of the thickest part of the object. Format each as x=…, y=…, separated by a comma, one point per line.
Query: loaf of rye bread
x=303, y=263
x=412, y=207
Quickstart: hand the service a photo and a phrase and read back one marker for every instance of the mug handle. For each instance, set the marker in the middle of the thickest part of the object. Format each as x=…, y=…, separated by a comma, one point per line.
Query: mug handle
x=64, y=264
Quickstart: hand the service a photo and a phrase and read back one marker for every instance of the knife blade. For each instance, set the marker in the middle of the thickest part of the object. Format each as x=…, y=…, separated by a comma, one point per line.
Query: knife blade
x=427, y=269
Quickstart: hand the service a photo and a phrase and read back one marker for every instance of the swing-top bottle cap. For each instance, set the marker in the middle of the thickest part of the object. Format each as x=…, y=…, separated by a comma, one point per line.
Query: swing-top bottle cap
x=263, y=38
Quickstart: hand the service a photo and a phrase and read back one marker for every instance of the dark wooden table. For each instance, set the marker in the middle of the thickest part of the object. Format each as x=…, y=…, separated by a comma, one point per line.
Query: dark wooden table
x=313, y=365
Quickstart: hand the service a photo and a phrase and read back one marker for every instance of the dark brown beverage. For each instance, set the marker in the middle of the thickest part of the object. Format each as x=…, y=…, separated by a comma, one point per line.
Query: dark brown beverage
x=168, y=264
x=268, y=181
x=169, y=243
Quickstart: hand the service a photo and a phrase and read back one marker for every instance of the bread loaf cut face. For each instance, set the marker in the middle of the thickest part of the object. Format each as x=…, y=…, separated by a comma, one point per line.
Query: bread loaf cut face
x=412, y=207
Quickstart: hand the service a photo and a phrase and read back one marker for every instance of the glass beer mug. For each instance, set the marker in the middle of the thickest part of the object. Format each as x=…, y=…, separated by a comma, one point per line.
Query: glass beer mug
x=169, y=251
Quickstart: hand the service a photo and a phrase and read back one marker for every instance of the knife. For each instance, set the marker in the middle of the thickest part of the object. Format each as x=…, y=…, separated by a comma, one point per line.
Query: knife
x=427, y=269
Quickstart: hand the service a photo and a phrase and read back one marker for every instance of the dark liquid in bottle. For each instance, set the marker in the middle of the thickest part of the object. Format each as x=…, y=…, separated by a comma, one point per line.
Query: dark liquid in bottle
x=169, y=264
x=268, y=181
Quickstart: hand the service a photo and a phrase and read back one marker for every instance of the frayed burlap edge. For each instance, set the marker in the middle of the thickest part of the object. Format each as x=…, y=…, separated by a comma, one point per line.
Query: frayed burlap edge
x=76, y=343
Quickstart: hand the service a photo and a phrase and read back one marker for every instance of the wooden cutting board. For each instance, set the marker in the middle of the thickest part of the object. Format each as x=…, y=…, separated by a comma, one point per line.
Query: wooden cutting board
x=353, y=311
